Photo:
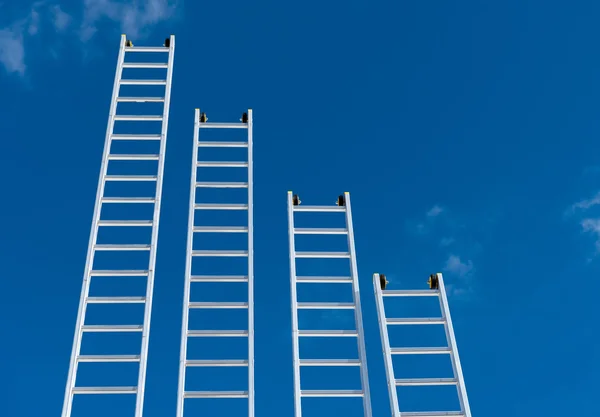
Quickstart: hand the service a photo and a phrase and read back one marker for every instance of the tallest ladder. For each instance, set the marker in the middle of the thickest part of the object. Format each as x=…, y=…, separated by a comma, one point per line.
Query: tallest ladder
x=103, y=199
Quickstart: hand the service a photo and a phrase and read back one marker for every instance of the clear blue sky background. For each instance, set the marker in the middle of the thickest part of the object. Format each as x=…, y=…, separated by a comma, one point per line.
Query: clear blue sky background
x=467, y=135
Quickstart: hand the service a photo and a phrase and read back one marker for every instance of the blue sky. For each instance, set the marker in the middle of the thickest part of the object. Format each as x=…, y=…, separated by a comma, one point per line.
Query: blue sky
x=466, y=134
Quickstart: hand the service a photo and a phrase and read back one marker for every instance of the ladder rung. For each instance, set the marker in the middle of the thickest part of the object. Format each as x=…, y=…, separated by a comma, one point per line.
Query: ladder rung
x=410, y=293
x=211, y=206
x=221, y=304
x=433, y=414
x=132, y=157
x=217, y=362
x=331, y=393
x=116, y=223
x=218, y=278
x=108, y=358
x=220, y=229
x=222, y=184
x=104, y=390
x=136, y=137
x=140, y=99
x=413, y=382
x=130, y=178
x=128, y=200
x=144, y=65
x=416, y=321
x=146, y=49
x=122, y=247
x=137, y=118
x=324, y=280
x=420, y=351
x=320, y=231
x=116, y=300
x=327, y=333
x=326, y=306
x=328, y=255
x=220, y=253
x=224, y=164
x=222, y=144
x=217, y=333
x=224, y=125
x=329, y=362
x=143, y=82
x=320, y=208
x=112, y=328
x=216, y=394
x=118, y=273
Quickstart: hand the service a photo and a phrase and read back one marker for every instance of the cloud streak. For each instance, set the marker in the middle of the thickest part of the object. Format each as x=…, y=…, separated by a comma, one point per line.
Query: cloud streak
x=456, y=266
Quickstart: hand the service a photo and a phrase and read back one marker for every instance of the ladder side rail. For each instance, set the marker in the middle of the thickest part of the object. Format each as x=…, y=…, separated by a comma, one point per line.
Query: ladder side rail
x=357, y=310
x=188, y=270
x=250, y=272
x=154, y=237
x=458, y=374
x=385, y=342
x=71, y=378
x=295, y=333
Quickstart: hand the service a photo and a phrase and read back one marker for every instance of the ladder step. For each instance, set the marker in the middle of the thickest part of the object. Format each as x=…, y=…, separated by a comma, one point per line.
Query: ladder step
x=128, y=200
x=218, y=278
x=108, y=358
x=116, y=300
x=143, y=82
x=331, y=393
x=224, y=125
x=130, y=178
x=219, y=144
x=410, y=293
x=416, y=321
x=424, y=381
x=222, y=184
x=217, y=333
x=140, y=99
x=116, y=223
x=146, y=49
x=320, y=231
x=433, y=414
x=326, y=306
x=220, y=253
x=136, y=137
x=221, y=304
x=420, y=351
x=323, y=209
x=215, y=394
x=132, y=157
x=329, y=362
x=217, y=362
x=122, y=247
x=144, y=65
x=209, y=206
x=224, y=164
x=324, y=280
x=220, y=229
x=327, y=333
x=132, y=118
x=327, y=255
x=118, y=273
x=105, y=390
x=112, y=328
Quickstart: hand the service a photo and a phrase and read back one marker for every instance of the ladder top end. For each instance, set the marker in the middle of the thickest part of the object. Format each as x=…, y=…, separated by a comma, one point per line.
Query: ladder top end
x=346, y=192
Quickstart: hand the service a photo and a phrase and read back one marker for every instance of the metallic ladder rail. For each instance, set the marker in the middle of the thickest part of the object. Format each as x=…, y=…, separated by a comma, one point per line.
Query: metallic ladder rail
x=184, y=362
x=361, y=362
x=452, y=350
x=89, y=272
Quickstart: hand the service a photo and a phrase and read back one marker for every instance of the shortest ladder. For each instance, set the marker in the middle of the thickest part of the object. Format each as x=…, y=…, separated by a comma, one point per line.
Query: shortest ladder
x=436, y=289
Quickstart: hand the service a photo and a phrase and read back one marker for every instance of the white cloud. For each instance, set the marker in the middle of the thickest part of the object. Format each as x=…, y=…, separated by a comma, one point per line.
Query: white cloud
x=586, y=204
x=12, y=52
x=447, y=241
x=592, y=226
x=60, y=19
x=456, y=266
x=435, y=211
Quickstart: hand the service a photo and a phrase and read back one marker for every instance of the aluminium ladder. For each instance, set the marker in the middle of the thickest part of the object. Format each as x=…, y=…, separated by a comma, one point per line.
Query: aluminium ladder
x=101, y=199
x=452, y=350
x=246, y=123
x=342, y=207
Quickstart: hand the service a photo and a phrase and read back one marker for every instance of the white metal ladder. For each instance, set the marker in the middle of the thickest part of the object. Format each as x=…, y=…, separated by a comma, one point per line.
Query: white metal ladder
x=342, y=207
x=101, y=199
x=437, y=290
x=246, y=123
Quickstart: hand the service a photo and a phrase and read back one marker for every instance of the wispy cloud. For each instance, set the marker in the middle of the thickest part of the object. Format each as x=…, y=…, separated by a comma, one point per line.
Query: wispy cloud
x=456, y=266
x=589, y=224
x=435, y=211
x=447, y=241
x=60, y=19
